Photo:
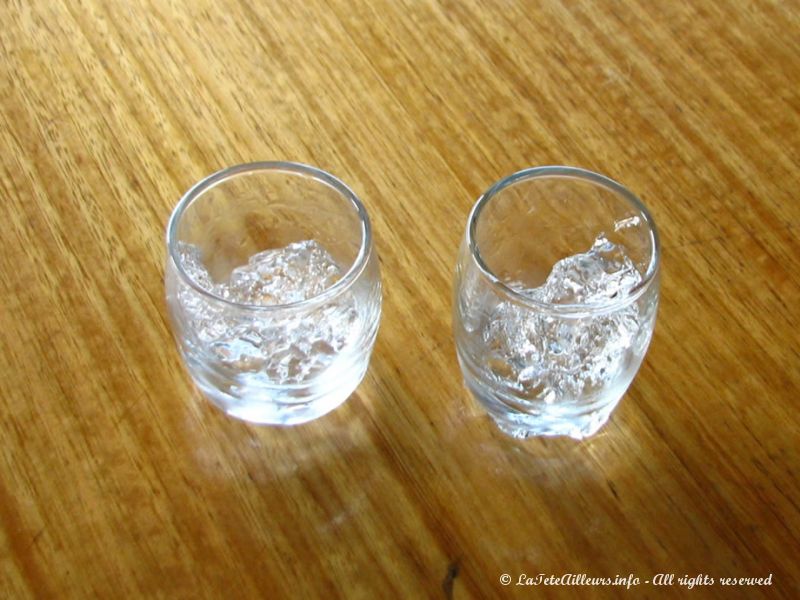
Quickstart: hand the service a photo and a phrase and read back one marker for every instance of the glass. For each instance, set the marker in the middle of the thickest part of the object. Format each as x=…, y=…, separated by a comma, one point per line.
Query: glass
x=556, y=293
x=273, y=289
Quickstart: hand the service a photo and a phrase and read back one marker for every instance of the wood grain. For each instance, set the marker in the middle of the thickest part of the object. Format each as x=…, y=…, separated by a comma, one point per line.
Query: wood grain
x=118, y=480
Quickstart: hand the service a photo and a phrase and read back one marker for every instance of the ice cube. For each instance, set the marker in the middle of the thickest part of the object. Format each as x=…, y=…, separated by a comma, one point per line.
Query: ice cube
x=281, y=347
x=549, y=357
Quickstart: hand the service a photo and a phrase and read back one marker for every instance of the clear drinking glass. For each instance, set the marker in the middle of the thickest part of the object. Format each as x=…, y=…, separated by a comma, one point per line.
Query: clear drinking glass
x=556, y=293
x=273, y=290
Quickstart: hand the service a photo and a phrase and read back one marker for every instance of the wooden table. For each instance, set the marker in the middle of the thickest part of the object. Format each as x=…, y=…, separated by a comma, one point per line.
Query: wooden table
x=118, y=480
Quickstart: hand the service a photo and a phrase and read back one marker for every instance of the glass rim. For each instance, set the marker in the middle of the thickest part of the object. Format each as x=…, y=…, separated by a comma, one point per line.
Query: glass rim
x=207, y=183
x=569, y=173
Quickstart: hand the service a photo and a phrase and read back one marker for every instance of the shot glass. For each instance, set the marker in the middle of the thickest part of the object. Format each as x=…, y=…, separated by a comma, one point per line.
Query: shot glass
x=555, y=300
x=273, y=289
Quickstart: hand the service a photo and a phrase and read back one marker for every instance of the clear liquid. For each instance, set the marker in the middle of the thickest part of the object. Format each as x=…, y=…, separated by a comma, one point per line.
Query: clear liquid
x=281, y=366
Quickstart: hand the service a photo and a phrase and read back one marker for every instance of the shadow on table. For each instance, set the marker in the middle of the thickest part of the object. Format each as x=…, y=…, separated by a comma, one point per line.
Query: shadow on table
x=397, y=466
x=504, y=503
x=321, y=497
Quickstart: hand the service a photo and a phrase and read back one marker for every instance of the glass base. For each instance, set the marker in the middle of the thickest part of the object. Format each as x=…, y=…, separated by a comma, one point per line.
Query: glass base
x=525, y=427
x=577, y=422
x=279, y=405
x=263, y=411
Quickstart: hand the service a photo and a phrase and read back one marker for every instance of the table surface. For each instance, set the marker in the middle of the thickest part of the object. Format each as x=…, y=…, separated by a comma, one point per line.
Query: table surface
x=118, y=480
